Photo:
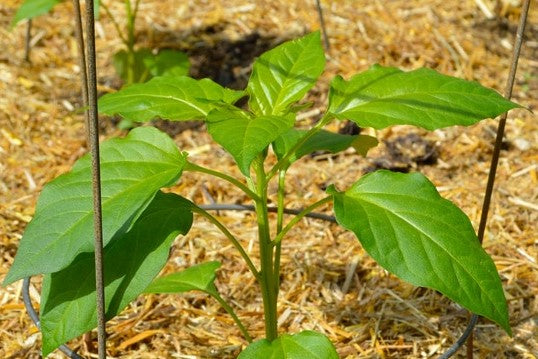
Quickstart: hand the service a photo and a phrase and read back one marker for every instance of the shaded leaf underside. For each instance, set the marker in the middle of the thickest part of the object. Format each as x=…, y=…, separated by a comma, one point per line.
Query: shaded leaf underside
x=131, y=261
x=386, y=96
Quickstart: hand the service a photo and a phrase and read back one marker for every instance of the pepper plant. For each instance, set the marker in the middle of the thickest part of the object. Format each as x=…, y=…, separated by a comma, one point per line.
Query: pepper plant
x=132, y=65
x=400, y=219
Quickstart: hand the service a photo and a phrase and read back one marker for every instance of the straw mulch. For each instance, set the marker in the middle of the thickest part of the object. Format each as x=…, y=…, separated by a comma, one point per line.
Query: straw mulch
x=329, y=284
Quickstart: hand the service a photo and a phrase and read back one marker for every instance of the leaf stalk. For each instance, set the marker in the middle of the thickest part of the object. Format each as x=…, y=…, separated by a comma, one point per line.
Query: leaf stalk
x=189, y=166
x=230, y=236
x=298, y=217
x=281, y=164
x=234, y=316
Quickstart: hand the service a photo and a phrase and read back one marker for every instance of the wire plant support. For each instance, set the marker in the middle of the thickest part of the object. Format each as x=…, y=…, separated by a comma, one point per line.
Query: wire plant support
x=89, y=96
x=497, y=149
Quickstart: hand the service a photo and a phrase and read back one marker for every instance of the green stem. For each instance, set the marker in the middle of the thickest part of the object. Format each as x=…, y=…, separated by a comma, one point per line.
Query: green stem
x=281, y=193
x=267, y=280
x=284, y=160
x=130, y=24
x=279, y=223
x=115, y=23
x=189, y=166
x=231, y=237
x=298, y=217
x=135, y=12
x=230, y=311
x=130, y=42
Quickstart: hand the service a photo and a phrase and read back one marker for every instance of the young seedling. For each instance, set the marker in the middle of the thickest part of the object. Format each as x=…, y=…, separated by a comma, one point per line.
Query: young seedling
x=132, y=65
x=400, y=219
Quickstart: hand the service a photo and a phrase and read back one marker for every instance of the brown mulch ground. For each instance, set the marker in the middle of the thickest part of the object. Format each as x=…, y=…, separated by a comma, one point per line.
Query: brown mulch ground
x=329, y=284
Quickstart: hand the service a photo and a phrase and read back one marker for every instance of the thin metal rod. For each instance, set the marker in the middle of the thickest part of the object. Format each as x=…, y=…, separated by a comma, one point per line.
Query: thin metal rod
x=27, y=41
x=35, y=317
x=493, y=167
x=82, y=64
x=322, y=25
x=461, y=340
x=96, y=178
x=79, y=36
x=502, y=121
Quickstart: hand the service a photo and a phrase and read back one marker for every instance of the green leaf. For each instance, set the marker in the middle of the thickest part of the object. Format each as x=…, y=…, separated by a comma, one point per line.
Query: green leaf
x=131, y=261
x=133, y=169
x=32, y=8
x=284, y=75
x=168, y=63
x=386, y=96
x=410, y=230
x=244, y=137
x=320, y=141
x=121, y=64
x=198, y=277
x=304, y=345
x=172, y=98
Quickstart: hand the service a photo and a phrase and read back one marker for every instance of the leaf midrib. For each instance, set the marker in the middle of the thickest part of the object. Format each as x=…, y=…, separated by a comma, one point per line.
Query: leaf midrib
x=137, y=96
x=296, y=64
x=171, y=166
x=346, y=100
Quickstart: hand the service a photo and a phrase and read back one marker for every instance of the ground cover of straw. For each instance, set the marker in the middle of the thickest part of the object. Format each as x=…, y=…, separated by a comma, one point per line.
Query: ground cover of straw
x=329, y=284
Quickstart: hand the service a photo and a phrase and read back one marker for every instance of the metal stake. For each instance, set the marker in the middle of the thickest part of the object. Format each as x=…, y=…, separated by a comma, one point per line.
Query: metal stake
x=27, y=41
x=498, y=142
x=96, y=178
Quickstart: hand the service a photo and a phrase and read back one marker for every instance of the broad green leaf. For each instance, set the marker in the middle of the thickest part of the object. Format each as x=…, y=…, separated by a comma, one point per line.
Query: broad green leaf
x=140, y=72
x=283, y=75
x=244, y=137
x=131, y=261
x=133, y=169
x=304, y=345
x=410, y=230
x=32, y=8
x=198, y=277
x=168, y=63
x=320, y=141
x=171, y=98
x=386, y=96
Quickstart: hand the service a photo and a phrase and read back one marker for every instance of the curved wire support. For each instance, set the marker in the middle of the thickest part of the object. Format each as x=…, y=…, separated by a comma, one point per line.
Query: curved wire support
x=240, y=207
x=498, y=142
x=35, y=317
x=462, y=339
